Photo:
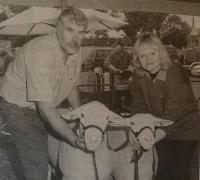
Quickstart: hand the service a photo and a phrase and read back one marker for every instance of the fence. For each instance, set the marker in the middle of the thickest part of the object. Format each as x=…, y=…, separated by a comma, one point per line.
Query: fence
x=195, y=83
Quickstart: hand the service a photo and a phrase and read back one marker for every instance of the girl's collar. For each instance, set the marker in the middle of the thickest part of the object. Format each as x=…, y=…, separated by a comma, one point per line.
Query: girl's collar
x=160, y=76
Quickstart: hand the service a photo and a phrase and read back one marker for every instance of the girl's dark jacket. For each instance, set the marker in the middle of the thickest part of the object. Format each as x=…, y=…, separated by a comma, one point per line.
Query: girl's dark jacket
x=169, y=96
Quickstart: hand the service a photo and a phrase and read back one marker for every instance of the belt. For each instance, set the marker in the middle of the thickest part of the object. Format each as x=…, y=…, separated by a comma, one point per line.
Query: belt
x=6, y=106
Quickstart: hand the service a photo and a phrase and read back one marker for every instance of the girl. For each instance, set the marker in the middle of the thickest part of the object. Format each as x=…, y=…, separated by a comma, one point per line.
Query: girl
x=162, y=88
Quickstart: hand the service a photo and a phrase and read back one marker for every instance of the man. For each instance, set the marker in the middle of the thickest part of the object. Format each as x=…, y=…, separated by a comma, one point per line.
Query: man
x=6, y=55
x=44, y=73
x=119, y=60
x=120, y=65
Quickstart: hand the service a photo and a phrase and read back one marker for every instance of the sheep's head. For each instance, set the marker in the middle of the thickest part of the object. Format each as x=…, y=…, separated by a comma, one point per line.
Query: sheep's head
x=94, y=117
x=143, y=127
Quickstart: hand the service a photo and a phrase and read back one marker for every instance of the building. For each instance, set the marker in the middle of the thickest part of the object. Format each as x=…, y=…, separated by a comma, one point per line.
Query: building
x=193, y=39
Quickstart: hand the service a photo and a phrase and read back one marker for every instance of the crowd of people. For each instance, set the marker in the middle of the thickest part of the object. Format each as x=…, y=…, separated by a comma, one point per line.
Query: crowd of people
x=45, y=72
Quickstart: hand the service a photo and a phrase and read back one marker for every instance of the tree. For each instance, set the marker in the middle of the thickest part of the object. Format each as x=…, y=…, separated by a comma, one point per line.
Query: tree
x=175, y=31
x=9, y=11
x=142, y=22
x=17, y=9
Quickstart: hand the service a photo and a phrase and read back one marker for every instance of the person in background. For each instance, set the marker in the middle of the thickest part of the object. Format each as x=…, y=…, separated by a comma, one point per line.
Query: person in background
x=173, y=54
x=41, y=76
x=119, y=59
x=6, y=55
x=119, y=63
x=162, y=88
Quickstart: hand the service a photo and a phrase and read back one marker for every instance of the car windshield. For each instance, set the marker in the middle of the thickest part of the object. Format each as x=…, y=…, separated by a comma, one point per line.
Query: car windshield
x=196, y=67
x=192, y=55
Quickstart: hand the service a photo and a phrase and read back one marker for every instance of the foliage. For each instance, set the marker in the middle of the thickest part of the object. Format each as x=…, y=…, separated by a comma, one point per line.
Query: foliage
x=17, y=9
x=170, y=28
x=9, y=11
x=175, y=31
x=101, y=34
x=142, y=22
x=5, y=13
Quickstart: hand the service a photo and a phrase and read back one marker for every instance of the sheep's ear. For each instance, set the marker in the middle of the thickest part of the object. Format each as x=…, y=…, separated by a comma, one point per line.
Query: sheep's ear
x=117, y=120
x=162, y=122
x=70, y=115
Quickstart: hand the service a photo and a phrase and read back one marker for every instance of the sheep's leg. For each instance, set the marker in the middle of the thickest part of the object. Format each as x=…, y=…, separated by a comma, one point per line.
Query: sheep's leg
x=103, y=161
x=53, y=150
x=124, y=169
x=69, y=178
x=76, y=164
x=146, y=165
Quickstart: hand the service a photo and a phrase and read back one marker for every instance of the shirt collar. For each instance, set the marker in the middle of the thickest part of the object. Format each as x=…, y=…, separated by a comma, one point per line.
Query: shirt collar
x=161, y=75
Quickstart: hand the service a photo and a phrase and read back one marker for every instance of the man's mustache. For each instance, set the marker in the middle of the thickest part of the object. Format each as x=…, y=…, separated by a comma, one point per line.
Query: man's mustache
x=74, y=44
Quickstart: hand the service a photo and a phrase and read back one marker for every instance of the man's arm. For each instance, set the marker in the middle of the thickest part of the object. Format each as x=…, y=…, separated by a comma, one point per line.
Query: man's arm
x=58, y=124
x=112, y=67
x=74, y=98
x=108, y=63
x=39, y=74
x=130, y=62
x=131, y=68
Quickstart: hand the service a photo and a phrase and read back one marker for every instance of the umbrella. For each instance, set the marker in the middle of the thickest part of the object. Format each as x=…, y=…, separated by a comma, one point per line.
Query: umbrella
x=89, y=4
x=42, y=20
x=187, y=7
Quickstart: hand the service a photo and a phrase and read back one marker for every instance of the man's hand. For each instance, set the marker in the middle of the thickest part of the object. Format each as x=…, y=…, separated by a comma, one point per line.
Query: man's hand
x=79, y=143
x=58, y=124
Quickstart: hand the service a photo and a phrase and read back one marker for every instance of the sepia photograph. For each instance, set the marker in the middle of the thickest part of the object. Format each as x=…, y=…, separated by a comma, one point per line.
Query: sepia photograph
x=99, y=89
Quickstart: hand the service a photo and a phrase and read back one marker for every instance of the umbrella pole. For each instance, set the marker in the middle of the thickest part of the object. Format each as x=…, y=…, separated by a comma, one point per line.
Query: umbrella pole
x=105, y=25
x=29, y=32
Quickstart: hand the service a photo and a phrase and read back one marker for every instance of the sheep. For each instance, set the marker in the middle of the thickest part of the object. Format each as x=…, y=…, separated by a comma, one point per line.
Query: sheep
x=142, y=131
x=74, y=163
x=94, y=117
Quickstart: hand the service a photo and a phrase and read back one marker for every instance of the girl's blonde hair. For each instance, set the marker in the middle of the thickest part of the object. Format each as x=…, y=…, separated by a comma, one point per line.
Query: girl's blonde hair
x=151, y=39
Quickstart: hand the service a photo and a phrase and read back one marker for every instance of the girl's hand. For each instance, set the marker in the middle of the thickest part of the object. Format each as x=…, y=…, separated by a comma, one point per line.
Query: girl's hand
x=159, y=134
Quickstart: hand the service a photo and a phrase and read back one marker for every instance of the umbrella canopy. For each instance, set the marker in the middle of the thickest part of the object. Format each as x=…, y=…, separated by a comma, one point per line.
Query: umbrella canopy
x=187, y=7
x=89, y=4
x=42, y=20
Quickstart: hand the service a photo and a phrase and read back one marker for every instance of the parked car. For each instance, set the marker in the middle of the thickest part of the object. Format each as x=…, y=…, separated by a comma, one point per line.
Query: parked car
x=191, y=55
x=195, y=69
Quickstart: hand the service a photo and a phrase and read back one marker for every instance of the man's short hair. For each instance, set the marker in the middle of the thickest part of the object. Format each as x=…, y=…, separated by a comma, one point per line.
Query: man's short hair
x=75, y=16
